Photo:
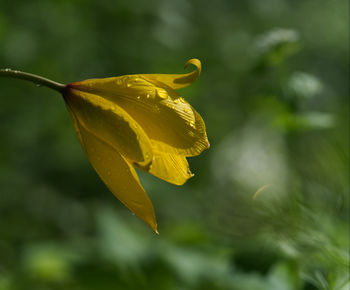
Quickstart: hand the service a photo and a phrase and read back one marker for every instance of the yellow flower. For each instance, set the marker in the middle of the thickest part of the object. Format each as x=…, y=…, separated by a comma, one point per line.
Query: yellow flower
x=137, y=121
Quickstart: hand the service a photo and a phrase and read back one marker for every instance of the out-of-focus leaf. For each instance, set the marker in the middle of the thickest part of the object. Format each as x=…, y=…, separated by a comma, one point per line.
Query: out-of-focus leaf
x=47, y=263
x=306, y=121
x=192, y=266
x=285, y=276
x=117, y=242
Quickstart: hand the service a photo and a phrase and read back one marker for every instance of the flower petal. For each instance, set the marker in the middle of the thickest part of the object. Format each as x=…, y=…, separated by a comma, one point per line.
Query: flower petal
x=176, y=81
x=177, y=129
x=171, y=121
x=117, y=173
x=169, y=167
x=163, y=114
x=110, y=123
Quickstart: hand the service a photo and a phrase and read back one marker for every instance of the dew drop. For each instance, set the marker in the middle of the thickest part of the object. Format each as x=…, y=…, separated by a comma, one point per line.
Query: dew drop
x=138, y=97
x=38, y=85
x=185, y=110
x=182, y=100
x=161, y=93
x=191, y=123
x=128, y=85
x=176, y=101
x=112, y=108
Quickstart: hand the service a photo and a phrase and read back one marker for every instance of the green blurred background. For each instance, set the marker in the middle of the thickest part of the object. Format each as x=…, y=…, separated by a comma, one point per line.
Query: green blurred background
x=274, y=96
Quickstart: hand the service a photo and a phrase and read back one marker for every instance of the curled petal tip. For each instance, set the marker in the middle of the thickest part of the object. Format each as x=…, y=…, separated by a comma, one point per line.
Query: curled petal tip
x=196, y=62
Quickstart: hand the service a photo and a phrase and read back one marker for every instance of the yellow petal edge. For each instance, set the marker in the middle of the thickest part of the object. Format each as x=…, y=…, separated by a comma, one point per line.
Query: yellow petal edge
x=117, y=173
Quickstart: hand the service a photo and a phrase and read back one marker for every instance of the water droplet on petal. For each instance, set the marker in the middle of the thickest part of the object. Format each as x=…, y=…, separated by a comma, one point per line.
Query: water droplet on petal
x=176, y=101
x=138, y=97
x=185, y=110
x=182, y=100
x=191, y=123
x=161, y=93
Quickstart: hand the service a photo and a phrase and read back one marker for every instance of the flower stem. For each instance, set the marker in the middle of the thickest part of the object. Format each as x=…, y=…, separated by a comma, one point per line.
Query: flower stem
x=33, y=78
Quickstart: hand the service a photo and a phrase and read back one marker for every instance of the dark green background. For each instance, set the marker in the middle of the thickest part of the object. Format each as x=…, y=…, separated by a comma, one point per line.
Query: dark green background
x=274, y=96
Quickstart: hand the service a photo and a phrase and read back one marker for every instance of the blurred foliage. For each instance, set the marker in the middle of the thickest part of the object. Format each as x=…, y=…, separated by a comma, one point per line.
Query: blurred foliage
x=274, y=95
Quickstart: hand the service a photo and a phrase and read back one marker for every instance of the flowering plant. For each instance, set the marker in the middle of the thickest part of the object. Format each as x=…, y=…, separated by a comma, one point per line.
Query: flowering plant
x=134, y=121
